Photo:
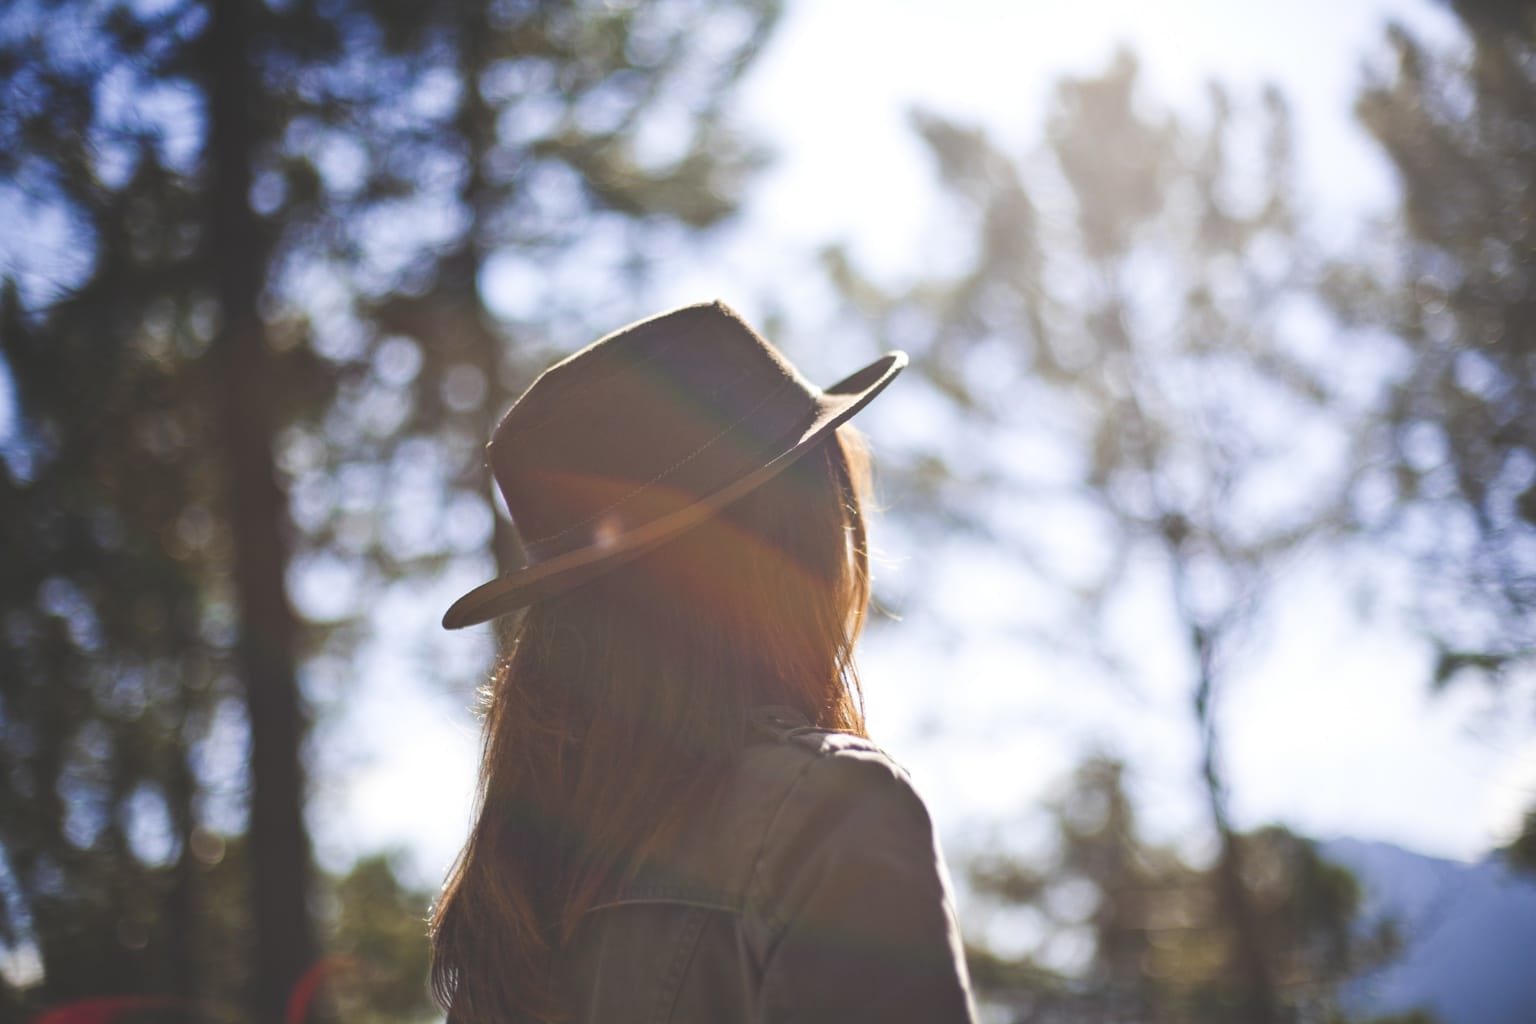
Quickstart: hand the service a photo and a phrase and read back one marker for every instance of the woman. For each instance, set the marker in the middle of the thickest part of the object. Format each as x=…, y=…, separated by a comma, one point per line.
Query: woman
x=680, y=816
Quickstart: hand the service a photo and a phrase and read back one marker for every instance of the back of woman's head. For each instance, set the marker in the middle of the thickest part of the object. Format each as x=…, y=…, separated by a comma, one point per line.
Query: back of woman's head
x=620, y=702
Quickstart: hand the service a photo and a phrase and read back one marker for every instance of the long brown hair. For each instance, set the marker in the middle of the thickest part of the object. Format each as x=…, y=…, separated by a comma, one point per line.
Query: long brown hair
x=619, y=704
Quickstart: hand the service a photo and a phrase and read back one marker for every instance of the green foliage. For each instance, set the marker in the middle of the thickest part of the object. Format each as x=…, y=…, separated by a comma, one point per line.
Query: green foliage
x=1411, y=1017
x=378, y=935
x=114, y=652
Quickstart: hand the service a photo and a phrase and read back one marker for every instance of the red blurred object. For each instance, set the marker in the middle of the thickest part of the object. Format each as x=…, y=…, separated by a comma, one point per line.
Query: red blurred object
x=105, y=1009
x=304, y=989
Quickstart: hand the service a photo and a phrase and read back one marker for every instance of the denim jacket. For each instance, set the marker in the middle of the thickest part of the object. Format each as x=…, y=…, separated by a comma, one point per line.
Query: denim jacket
x=813, y=890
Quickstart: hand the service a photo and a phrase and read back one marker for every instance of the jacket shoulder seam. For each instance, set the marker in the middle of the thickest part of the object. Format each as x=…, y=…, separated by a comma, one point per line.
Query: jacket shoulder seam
x=675, y=897
x=773, y=819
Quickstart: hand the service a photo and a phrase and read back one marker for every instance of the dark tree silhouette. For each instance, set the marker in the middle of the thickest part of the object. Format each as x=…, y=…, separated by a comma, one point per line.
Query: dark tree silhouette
x=1454, y=283
x=251, y=336
x=1450, y=468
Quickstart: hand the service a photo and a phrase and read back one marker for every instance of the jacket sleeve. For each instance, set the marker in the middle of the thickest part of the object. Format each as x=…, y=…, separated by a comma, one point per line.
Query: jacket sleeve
x=859, y=923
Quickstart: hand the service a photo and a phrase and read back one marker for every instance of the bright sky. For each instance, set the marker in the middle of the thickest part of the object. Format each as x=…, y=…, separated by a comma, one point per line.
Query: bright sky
x=1329, y=730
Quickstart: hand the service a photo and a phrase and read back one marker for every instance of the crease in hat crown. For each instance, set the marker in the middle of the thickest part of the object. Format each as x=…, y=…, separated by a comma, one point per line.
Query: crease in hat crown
x=642, y=434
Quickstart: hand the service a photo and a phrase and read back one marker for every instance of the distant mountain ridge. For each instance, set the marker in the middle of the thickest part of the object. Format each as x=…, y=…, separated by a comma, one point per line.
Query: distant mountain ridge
x=1469, y=934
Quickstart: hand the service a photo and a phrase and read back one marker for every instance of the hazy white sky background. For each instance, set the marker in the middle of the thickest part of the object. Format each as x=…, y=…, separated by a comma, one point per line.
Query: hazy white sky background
x=1328, y=729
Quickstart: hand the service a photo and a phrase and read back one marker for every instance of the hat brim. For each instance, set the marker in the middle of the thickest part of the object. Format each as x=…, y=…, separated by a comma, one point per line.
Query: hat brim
x=522, y=587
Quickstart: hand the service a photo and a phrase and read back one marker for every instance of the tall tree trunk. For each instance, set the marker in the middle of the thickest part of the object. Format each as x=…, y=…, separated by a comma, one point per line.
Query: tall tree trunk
x=181, y=901
x=257, y=510
x=1246, y=958
x=476, y=125
x=1246, y=955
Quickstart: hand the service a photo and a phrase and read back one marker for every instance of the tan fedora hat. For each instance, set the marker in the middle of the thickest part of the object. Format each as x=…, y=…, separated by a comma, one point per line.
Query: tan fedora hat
x=643, y=434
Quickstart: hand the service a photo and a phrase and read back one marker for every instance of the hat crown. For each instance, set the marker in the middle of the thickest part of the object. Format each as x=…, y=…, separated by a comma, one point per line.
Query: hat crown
x=641, y=423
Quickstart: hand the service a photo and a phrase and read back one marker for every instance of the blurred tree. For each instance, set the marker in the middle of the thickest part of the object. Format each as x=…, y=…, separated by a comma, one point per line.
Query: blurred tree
x=1155, y=933
x=143, y=505
x=377, y=935
x=1450, y=468
x=251, y=357
x=1453, y=282
x=1522, y=850
x=1135, y=356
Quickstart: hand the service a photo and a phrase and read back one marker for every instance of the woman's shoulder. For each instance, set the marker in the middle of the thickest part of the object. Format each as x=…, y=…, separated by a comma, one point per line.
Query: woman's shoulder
x=822, y=771
x=840, y=795
x=849, y=911
x=816, y=756
x=793, y=786
x=822, y=859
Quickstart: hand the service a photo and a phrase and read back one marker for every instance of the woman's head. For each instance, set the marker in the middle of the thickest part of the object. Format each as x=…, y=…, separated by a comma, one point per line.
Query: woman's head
x=620, y=701
x=759, y=604
x=640, y=436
